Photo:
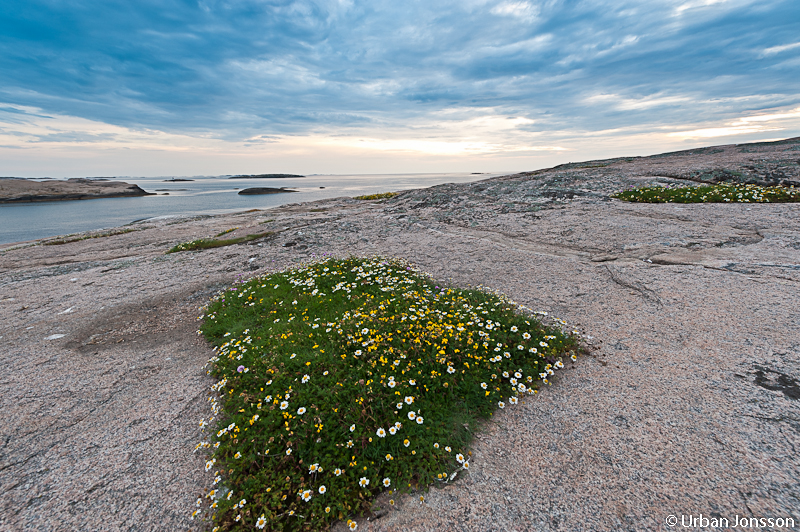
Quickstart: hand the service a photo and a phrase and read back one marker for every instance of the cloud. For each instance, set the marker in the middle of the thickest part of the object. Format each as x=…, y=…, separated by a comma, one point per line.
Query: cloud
x=521, y=10
x=742, y=126
x=778, y=49
x=253, y=73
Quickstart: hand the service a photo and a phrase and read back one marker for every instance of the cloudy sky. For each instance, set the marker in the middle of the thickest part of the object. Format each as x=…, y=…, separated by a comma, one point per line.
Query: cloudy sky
x=188, y=87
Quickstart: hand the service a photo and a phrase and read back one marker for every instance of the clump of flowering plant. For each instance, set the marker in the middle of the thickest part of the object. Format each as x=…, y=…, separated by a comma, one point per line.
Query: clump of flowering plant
x=343, y=378
x=720, y=193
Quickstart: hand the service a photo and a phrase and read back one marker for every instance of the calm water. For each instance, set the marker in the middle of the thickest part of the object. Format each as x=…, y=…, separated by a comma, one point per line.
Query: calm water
x=204, y=195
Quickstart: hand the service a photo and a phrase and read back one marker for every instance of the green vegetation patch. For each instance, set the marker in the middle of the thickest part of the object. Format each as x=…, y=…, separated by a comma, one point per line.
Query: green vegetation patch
x=344, y=378
x=225, y=232
x=70, y=238
x=720, y=193
x=208, y=243
x=382, y=195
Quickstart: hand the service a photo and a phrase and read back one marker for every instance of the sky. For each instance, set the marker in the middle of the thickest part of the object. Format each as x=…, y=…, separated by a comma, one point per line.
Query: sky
x=210, y=87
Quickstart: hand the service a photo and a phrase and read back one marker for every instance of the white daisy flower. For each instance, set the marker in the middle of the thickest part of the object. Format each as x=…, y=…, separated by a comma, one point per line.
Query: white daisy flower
x=301, y=411
x=352, y=428
x=451, y=369
x=501, y=404
x=363, y=482
x=412, y=415
x=305, y=379
x=408, y=400
x=322, y=490
x=513, y=400
x=420, y=420
x=284, y=405
x=460, y=458
x=387, y=482
x=381, y=433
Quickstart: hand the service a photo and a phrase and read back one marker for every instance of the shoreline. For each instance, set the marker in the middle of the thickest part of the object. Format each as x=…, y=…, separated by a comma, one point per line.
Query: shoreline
x=28, y=221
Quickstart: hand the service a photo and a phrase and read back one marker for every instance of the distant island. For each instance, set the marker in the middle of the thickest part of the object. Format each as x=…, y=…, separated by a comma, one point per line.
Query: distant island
x=265, y=176
x=173, y=180
x=21, y=190
x=264, y=190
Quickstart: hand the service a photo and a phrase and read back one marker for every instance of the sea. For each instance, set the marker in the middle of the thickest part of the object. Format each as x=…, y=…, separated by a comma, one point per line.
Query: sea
x=21, y=222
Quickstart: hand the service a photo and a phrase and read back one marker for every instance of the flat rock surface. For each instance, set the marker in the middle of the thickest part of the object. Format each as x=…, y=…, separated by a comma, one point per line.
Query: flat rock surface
x=687, y=403
x=13, y=189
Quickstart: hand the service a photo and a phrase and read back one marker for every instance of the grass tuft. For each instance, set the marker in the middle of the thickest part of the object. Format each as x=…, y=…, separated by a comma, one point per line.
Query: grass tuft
x=382, y=195
x=225, y=232
x=208, y=243
x=719, y=193
x=70, y=238
x=344, y=378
